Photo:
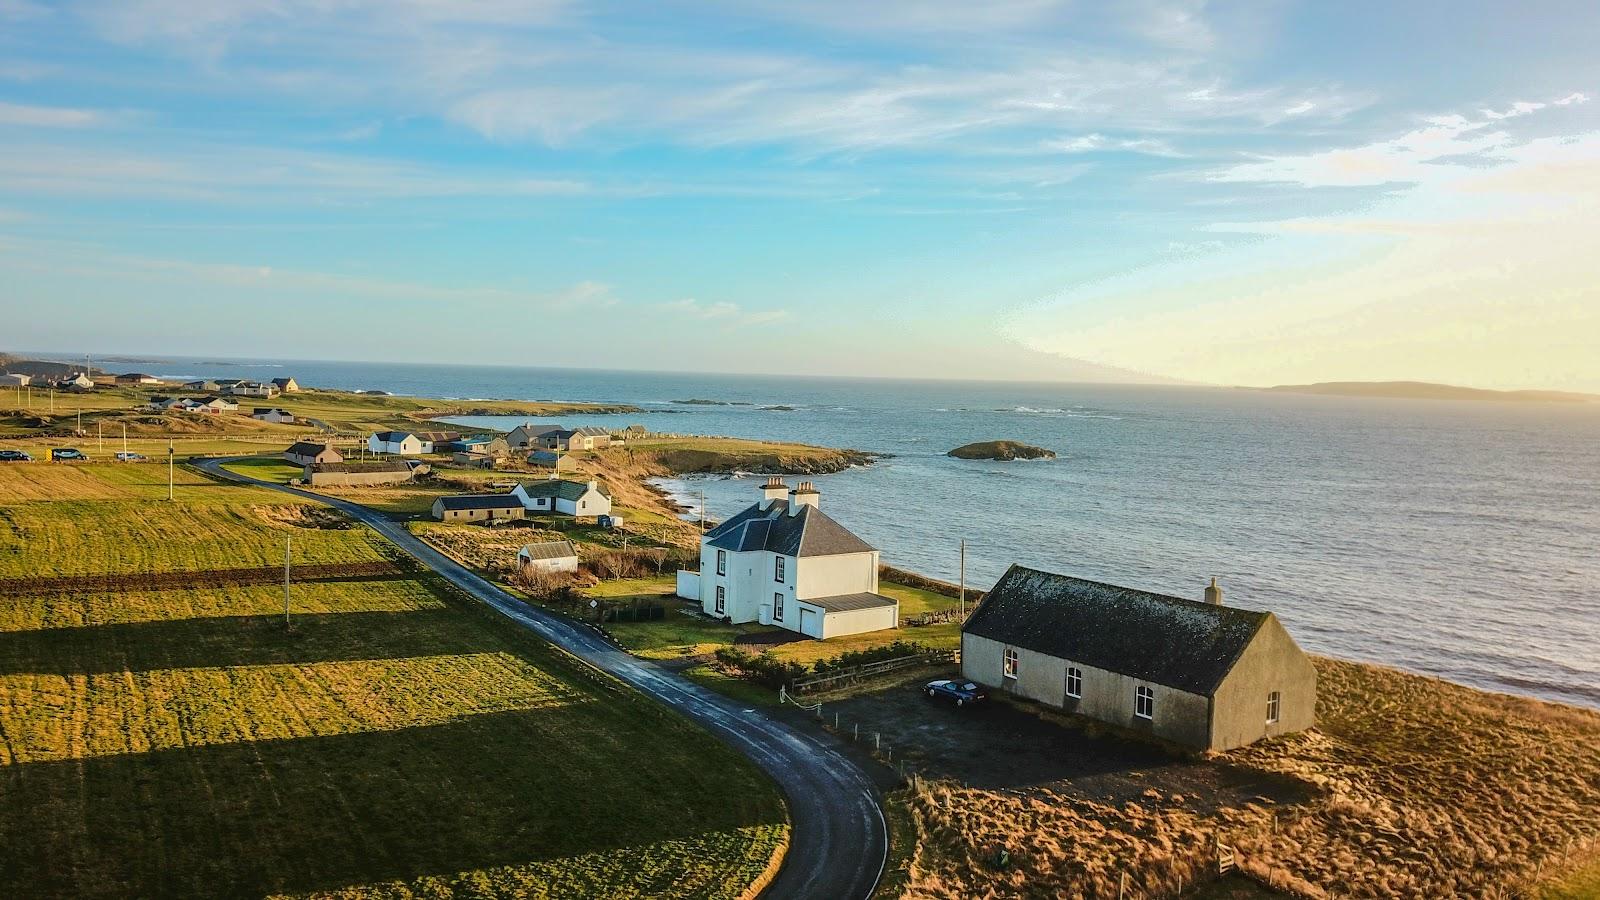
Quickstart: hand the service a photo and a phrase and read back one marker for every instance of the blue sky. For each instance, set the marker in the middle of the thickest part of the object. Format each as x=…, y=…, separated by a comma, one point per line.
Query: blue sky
x=1248, y=193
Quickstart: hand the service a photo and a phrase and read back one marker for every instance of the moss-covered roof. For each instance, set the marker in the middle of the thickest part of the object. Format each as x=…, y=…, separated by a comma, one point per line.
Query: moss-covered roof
x=1183, y=644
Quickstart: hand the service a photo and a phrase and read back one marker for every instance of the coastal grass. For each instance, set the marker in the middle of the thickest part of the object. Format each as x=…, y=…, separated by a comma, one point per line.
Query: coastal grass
x=267, y=468
x=399, y=740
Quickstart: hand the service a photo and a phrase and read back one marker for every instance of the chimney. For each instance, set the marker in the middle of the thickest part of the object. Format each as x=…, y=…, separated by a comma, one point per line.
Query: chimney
x=1214, y=592
x=595, y=486
x=806, y=494
x=773, y=491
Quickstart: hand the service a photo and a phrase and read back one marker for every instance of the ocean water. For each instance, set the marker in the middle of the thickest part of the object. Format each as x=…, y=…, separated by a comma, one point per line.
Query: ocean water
x=1449, y=538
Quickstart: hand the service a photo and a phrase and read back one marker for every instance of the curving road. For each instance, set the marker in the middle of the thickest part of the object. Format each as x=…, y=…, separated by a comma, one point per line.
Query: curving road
x=838, y=841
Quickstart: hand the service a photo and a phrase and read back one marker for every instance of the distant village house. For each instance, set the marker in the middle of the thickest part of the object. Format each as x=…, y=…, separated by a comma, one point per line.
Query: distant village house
x=286, y=385
x=137, y=378
x=311, y=453
x=12, y=380
x=274, y=415
x=527, y=435
x=1196, y=673
x=552, y=460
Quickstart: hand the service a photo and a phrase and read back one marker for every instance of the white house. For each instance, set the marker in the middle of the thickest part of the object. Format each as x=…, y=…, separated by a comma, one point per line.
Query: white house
x=14, y=380
x=76, y=381
x=785, y=562
x=253, y=389
x=400, y=443
x=274, y=415
x=548, y=556
x=562, y=497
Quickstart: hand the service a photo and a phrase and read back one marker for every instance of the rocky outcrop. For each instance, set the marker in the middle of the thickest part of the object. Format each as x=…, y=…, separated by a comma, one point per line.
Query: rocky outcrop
x=1001, y=450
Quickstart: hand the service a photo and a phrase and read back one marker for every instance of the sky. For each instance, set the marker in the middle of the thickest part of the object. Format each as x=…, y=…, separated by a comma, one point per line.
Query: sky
x=1245, y=193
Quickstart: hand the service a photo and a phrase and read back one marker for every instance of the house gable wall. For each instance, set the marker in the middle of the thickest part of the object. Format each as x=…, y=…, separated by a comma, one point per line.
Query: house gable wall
x=1271, y=662
x=830, y=576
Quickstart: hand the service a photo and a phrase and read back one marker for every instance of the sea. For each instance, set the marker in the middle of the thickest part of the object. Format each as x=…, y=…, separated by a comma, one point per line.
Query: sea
x=1452, y=538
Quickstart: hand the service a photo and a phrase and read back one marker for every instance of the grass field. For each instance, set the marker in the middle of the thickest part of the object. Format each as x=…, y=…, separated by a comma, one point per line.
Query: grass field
x=398, y=742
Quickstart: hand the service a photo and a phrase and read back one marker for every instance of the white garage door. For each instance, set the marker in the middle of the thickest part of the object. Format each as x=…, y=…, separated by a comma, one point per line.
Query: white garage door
x=810, y=623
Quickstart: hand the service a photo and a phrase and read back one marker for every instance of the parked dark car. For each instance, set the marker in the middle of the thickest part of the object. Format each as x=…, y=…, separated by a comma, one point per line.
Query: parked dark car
x=962, y=692
x=15, y=456
x=68, y=454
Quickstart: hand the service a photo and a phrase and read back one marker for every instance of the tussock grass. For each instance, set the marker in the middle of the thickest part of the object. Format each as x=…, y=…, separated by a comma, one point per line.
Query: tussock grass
x=1421, y=789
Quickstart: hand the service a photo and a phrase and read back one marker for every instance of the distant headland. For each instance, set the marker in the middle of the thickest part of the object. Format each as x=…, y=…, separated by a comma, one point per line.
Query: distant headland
x=1422, y=390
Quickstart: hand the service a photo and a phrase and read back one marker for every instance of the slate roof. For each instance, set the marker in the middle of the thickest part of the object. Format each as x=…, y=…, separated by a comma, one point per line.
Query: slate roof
x=549, y=550
x=810, y=533
x=849, y=602
x=392, y=437
x=481, y=501
x=306, y=448
x=592, y=431
x=560, y=488
x=1183, y=644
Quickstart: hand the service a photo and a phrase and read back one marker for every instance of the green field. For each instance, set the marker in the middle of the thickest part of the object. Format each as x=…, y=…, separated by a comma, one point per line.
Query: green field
x=398, y=741
x=682, y=633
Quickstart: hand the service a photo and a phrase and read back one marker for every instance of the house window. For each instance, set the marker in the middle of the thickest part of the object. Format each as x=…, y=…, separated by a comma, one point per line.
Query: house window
x=777, y=607
x=777, y=570
x=1010, y=670
x=1272, y=707
x=1074, y=682
x=722, y=562
x=722, y=596
x=1144, y=702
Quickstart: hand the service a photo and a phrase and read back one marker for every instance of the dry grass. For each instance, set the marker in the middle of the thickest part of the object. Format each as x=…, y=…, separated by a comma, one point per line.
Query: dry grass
x=1431, y=789
x=1422, y=789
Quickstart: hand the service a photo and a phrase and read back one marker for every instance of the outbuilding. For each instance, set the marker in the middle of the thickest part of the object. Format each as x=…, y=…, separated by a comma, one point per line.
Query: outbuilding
x=548, y=556
x=1192, y=672
x=477, y=508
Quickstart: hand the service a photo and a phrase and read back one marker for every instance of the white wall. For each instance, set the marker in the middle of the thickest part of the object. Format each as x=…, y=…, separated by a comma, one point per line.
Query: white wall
x=859, y=621
x=829, y=576
x=689, y=585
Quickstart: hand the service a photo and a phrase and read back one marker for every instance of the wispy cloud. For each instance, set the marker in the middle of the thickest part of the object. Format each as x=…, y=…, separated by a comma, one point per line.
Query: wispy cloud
x=19, y=115
x=725, y=312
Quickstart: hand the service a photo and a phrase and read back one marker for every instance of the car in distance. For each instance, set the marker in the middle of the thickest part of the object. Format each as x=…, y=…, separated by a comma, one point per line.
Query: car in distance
x=68, y=454
x=962, y=692
x=131, y=457
x=15, y=456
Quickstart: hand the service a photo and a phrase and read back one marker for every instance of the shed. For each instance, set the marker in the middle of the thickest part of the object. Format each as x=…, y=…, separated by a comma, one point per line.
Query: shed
x=548, y=556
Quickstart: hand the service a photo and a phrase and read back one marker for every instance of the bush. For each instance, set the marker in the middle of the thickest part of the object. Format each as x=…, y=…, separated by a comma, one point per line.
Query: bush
x=764, y=669
x=851, y=658
x=552, y=588
x=642, y=562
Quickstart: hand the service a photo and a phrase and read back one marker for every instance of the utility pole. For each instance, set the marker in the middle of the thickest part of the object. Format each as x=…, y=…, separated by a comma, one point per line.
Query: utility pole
x=963, y=579
x=169, y=471
x=286, y=624
x=100, y=435
x=124, y=437
x=80, y=420
x=702, y=511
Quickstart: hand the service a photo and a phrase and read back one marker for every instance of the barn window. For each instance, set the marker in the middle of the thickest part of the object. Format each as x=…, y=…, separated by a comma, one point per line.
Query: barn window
x=1011, y=662
x=777, y=570
x=1272, y=707
x=1144, y=702
x=777, y=607
x=722, y=562
x=1074, y=682
x=722, y=596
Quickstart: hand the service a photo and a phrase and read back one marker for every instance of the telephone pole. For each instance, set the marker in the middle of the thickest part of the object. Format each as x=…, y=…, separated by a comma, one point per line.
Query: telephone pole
x=963, y=579
x=169, y=471
x=124, y=437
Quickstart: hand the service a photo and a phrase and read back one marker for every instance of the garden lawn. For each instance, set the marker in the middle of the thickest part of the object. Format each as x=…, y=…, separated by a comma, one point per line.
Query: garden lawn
x=266, y=468
x=399, y=741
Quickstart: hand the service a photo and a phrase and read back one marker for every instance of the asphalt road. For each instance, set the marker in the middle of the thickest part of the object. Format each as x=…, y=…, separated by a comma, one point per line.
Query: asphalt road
x=838, y=841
